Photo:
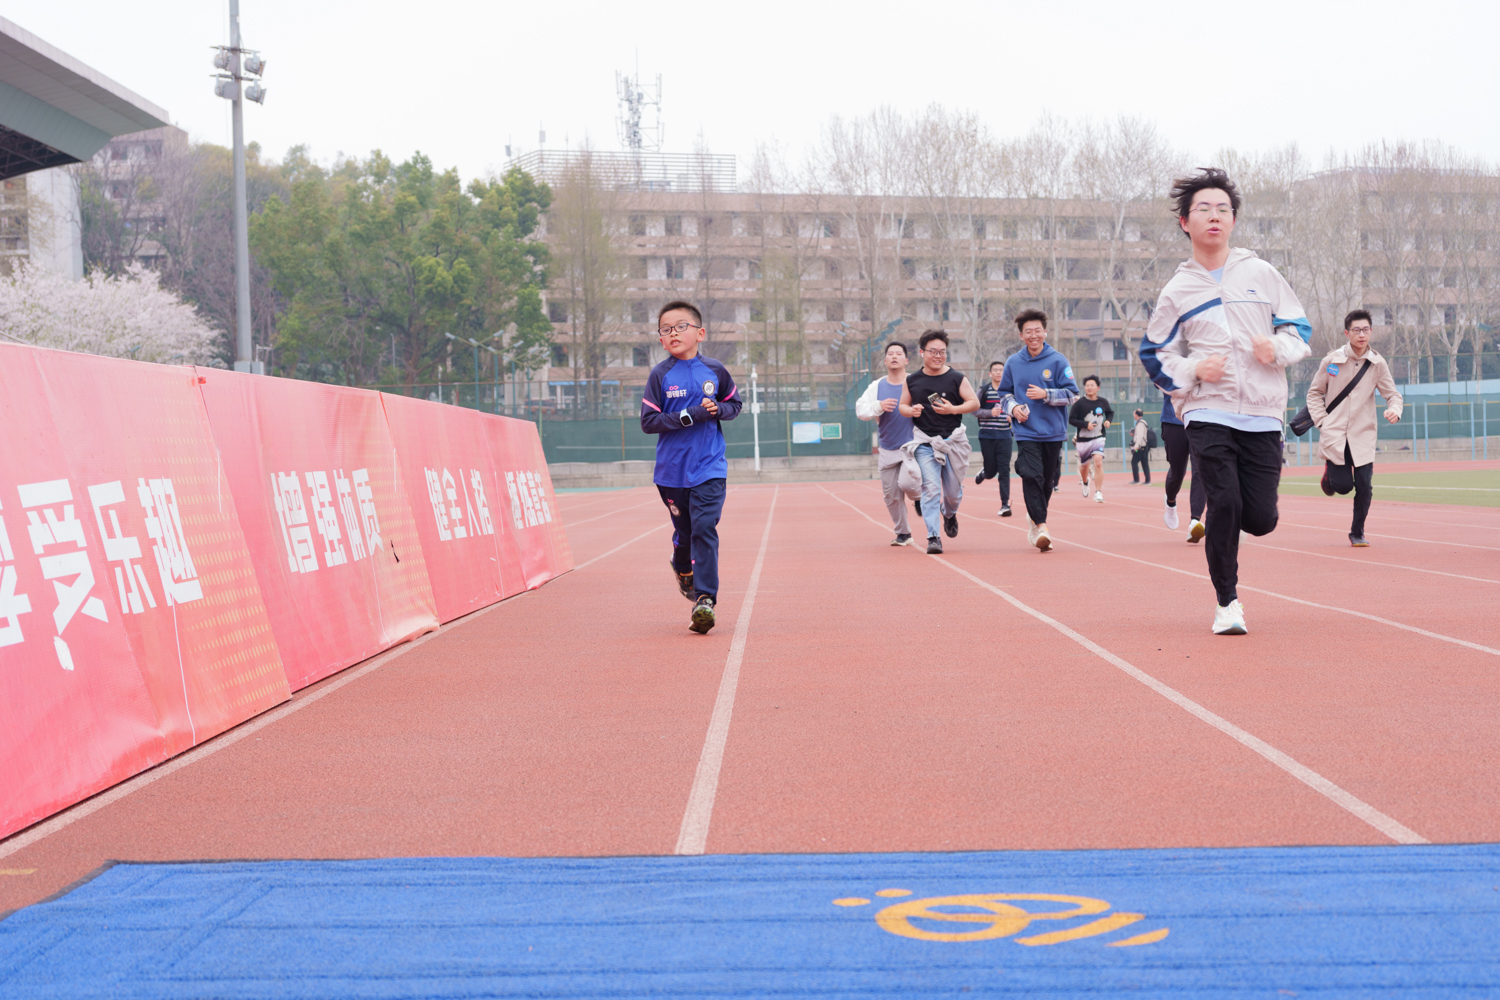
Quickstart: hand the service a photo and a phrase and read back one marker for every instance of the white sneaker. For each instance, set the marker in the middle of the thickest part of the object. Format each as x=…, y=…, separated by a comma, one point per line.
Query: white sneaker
x=1086, y=487
x=1196, y=530
x=1031, y=527
x=1170, y=516
x=1230, y=620
x=1043, y=541
x=1098, y=496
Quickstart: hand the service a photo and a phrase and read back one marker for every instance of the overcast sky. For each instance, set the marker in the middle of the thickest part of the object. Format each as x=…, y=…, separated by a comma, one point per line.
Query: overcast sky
x=458, y=79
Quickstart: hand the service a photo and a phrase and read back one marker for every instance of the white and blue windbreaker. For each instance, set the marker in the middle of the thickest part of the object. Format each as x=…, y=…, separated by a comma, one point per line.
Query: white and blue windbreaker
x=1197, y=316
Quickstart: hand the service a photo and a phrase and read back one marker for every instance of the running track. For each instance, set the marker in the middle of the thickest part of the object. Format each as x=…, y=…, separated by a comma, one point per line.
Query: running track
x=859, y=697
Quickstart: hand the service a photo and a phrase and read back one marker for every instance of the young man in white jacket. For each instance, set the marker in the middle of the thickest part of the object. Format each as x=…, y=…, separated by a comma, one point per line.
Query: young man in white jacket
x=1224, y=330
x=879, y=402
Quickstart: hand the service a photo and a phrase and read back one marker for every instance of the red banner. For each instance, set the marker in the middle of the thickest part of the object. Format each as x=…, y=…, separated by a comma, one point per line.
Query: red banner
x=131, y=621
x=482, y=500
x=314, y=471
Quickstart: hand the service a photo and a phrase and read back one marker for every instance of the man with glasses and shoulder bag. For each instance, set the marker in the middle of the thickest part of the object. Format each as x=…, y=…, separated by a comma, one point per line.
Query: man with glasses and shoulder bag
x=1351, y=374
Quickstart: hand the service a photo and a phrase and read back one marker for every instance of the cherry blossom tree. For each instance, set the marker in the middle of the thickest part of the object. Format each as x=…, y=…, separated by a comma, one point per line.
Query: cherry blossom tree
x=126, y=316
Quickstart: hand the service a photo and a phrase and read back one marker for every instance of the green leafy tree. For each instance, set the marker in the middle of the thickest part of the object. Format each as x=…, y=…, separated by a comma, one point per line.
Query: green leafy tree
x=374, y=262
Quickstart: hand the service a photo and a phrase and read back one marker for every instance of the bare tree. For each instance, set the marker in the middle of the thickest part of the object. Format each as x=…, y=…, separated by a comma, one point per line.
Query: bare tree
x=586, y=228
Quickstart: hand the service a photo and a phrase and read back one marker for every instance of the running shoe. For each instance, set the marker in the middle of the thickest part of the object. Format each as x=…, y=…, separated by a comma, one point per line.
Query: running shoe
x=1358, y=541
x=1230, y=620
x=1098, y=496
x=1327, y=486
x=1170, y=516
x=684, y=582
x=1196, y=529
x=1085, y=490
x=1005, y=510
x=979, y=479
x=902, y=540
x=934, y=546
x=703, y=615
x=1030, y=532
x=950, y=525
x=1043, y=540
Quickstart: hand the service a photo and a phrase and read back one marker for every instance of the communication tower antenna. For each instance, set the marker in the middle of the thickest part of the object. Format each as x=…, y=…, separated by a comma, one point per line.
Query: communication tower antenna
x=634, y=135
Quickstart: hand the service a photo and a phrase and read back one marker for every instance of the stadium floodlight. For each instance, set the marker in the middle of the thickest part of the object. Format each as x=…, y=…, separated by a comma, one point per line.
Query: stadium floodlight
x=222, y=57
x=255, y=92
x=255, y=65
x=236, y=61
x=227, y=88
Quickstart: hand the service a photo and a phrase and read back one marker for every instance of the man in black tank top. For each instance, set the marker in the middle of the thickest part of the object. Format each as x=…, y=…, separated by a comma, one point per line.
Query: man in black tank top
x=936, y=398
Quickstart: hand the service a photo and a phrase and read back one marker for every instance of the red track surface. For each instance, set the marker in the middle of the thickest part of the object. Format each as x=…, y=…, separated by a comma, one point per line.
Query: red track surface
x=885, y=702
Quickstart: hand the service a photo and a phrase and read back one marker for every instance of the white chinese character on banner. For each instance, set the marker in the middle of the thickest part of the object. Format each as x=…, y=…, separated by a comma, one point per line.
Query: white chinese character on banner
x=515, y=500
x=179, y=577
x=439, y=507
x=524, y=488
x=539, y=497
x=367, y=509
x=12, y=604
x=295, y=532
x=481, y=504
x=326, y=518
x=130, y=576
x=345, y=493
x=450, y=489
x=46, y=528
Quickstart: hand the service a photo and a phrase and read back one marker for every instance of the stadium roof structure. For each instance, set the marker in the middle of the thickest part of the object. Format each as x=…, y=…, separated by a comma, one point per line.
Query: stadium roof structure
x=55, y=110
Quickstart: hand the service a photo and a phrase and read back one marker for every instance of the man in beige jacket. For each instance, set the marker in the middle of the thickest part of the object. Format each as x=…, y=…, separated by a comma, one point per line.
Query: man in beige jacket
x=1347, y=435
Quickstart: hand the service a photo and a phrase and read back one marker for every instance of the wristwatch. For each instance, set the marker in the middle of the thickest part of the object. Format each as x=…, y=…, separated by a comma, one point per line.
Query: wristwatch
x=685, y=418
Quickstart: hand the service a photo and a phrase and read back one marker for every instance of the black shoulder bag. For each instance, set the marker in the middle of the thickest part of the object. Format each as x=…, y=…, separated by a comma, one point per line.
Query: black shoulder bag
x=1303, y=421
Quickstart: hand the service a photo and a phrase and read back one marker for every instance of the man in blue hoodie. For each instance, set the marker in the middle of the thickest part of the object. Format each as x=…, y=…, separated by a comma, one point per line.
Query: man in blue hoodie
x=685, y=399
x=1043, y=380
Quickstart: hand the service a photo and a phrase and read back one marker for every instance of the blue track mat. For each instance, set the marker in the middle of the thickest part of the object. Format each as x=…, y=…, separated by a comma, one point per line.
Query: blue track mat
x=1344, y=922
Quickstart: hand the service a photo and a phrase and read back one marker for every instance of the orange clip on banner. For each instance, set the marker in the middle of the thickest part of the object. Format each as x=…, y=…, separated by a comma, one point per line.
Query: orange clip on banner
x=482, y=499
x=131, y=621
x=314, y=472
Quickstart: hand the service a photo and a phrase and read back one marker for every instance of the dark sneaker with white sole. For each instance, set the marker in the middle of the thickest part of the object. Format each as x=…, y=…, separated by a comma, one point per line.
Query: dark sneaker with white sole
x=950, y=525
x=1358, y=541
x=1005, y=510
x=684, y=582
x=703, y=615
x=934, y=546
x=902, y=540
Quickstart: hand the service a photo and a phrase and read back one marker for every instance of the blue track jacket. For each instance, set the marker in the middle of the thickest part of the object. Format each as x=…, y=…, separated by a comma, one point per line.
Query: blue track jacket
x=1051, y=371
x=690, y=446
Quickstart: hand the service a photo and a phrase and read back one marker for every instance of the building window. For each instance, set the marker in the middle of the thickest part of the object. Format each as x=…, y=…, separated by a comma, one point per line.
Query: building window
x=119, y=189
x=557, y=312
x=640, y=357
x=755, y=226
x=945, y=309
x=559, y=356
x=979, y=228
x=674, y=225
x=754, y=269
x=908, y=269
x=676, y=268
x=639, y=313
x=638, y=267
x=119, y=151
x=835, y=312
x=637, y=225
x=832, y=267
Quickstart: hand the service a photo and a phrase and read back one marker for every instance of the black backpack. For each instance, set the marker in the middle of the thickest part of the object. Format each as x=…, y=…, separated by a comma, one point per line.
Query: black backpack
x=1150, y=437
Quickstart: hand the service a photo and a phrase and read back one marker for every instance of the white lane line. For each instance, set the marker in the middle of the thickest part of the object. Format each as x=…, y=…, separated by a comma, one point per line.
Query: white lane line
x=692, y=838
x=611, y=513
x=92, y=805
x=1259, y=590
x=1342, y=513
x=1383, y=486
x=1263, y=545
x=1357, y=807
x=623, y=545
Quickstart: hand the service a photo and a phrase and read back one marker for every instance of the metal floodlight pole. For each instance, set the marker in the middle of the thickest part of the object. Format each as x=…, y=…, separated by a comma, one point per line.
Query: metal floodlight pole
x=244, y=355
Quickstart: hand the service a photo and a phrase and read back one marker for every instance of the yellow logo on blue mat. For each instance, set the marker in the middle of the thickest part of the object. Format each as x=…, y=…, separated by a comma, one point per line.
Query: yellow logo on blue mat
x=995, y=915
x=1046, y=373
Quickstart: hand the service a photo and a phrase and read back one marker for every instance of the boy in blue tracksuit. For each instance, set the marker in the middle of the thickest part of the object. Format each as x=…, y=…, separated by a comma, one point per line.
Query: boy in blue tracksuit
x=686, y=397
x=1036, y=389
